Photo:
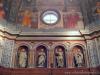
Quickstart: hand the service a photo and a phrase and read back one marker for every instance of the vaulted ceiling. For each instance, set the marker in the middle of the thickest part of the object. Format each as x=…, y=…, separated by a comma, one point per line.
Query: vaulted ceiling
x=12, y=7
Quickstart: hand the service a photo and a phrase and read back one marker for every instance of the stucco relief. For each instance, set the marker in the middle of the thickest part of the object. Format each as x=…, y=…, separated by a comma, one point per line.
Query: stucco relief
x=50, y=52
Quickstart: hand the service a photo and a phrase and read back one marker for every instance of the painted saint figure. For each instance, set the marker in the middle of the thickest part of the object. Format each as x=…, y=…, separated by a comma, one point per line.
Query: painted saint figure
x=27, y=18
x=78, y=58
x=2, y=12
x=59, y=57
x=72, y=19
x=22, y=58
x=41, y=58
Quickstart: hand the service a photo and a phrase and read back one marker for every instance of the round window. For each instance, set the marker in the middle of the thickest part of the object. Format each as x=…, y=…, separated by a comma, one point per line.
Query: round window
x=50, y=17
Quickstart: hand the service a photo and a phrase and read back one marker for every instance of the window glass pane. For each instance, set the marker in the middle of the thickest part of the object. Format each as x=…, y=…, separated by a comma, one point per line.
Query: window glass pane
x=50, y=17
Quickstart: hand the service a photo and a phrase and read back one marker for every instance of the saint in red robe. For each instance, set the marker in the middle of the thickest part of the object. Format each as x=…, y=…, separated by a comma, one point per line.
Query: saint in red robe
x=72, y=20
x=27, y=20
x=2, y=13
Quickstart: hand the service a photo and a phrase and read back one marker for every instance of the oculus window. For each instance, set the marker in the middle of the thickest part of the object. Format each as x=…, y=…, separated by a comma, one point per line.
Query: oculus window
x=50, y=17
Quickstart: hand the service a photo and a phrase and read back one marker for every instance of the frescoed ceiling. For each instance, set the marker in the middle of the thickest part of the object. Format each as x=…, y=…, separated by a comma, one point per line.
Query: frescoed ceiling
x=12, y=7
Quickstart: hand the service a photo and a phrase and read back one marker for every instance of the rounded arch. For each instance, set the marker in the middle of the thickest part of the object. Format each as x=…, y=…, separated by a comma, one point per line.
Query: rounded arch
x=59, y=44
x=41, y=44
x=41, y=47
x=24, y=44
x=78, y=44
x=79, y=47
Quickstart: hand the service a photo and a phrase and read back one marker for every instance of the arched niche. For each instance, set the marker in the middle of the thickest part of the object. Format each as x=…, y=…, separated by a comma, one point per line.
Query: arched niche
x=22, y=56
x=60, y=56
x=78, y=59
x=41, y=56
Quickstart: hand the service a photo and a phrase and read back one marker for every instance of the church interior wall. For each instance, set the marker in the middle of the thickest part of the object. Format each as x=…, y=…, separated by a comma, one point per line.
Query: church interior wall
x=51, y=47
x=9, y=49
x=49, y=37
x=15, y=35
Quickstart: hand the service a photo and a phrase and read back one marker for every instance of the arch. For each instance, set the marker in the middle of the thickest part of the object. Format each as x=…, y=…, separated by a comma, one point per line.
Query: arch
x=59, y=44
x=22, y=56
x=60, y=56
x=78, y=55
x=41, y=55
x=24, y=44
x=77, y=44
x=39, y=44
